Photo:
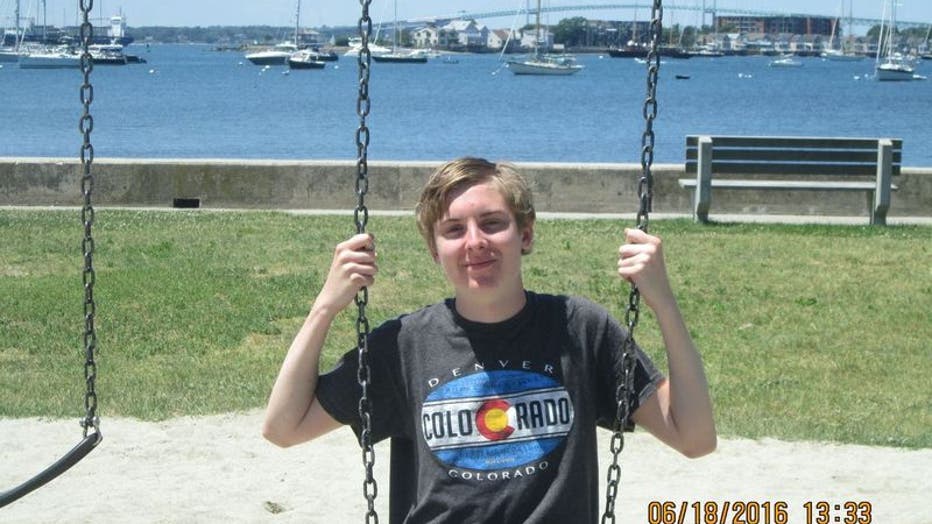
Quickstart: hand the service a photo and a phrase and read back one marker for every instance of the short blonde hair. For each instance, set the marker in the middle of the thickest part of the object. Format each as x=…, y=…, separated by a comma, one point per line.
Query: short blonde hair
x=464, y=173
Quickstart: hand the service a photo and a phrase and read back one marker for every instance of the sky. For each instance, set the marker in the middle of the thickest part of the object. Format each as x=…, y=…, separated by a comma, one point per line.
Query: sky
x=316, y=13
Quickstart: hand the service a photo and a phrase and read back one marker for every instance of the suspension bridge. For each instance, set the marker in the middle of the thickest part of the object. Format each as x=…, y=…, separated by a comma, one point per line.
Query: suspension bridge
x=482, y=15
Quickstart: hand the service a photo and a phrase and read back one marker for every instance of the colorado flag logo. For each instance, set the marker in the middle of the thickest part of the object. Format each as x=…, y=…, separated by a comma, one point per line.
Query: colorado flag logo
x=496, y=419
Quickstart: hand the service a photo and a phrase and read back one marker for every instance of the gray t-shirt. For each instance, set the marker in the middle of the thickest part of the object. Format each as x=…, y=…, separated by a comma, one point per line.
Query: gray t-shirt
x=492, y=422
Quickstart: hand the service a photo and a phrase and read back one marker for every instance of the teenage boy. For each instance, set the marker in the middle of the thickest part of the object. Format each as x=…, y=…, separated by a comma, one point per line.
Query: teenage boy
x=492, y=397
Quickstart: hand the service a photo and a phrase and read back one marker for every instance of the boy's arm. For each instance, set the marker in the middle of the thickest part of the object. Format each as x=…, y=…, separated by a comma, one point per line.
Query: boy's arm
x=294, y=414
x=680, y=413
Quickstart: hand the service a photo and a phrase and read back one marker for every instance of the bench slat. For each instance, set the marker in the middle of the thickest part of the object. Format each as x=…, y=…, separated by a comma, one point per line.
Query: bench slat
x=833, y=156
x=790, y=169
x=785, y=184
x=794, y=142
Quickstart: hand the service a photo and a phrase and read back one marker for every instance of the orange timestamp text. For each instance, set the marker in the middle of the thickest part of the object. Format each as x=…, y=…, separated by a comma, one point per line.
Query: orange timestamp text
x=757, y=512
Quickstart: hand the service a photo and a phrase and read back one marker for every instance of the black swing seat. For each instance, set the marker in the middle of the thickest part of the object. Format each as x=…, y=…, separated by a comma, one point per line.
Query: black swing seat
x=87, y=444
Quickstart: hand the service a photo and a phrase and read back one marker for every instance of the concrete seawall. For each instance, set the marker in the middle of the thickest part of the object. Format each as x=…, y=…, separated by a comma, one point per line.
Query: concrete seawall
x=264, y=184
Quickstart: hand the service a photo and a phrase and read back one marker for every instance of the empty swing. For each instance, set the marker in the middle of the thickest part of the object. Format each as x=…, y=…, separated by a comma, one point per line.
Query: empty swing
x=625, y=386
x=91, y=422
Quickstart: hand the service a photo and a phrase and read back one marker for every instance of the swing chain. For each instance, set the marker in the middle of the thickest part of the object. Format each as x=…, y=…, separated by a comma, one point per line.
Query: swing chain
x=86, y=125
x=361, y=218
x=645, y=194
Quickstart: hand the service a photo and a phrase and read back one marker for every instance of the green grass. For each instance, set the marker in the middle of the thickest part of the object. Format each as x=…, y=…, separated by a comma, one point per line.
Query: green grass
x=807, y=332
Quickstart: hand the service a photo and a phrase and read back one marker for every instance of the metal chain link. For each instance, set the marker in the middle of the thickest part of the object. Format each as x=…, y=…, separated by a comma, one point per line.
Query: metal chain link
x=86, y=125
x=645, y=195
x=361, y=218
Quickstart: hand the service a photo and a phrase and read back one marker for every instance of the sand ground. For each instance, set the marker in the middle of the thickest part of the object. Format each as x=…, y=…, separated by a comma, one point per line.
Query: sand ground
x=219, y=469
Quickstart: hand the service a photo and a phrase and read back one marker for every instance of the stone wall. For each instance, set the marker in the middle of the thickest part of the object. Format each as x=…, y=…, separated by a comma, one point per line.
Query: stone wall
x=256, y=184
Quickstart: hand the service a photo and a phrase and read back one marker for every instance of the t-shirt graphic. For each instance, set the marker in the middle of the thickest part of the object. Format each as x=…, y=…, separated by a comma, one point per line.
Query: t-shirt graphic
x=495, y=421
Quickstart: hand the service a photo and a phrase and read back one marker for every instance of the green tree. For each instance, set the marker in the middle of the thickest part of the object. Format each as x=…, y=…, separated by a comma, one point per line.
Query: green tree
x=571, y=32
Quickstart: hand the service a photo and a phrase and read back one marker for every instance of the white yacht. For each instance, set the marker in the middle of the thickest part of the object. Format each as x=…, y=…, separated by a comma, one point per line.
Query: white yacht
x=355, y=44
x=60, y=58
x=785, y=61
x=278, y=55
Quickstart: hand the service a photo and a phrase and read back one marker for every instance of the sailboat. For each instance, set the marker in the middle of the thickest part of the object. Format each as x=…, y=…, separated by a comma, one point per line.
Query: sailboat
x=538, y=63
x=395, y=56
x=304, y=58
x=841, y=55
x=891, y=65
x=11, y=53
x=279, y=54
x=927, y=53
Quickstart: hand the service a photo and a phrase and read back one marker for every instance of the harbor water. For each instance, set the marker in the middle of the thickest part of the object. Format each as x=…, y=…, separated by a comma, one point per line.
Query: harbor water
x=189, y=101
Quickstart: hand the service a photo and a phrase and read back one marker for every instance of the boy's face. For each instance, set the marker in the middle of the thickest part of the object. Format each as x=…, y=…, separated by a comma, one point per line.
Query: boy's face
x=479, y=244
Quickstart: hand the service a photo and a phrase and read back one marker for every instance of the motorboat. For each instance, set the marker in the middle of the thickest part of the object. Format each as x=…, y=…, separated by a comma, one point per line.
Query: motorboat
x=305, y=59
x=107, y=54
x=785, y=61
x=278, y=55
x=322, y=56
x=355, y=44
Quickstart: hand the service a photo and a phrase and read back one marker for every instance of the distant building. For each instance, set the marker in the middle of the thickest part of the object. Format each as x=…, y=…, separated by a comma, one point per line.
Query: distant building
x=800, y=25
x=498, y=38
x=466, y=34
x=530, y=39
x=427, y=37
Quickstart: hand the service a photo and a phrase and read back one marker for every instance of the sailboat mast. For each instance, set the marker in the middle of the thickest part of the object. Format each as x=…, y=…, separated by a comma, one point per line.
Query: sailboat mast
x=881, y=37
x=538, y=38
x=18, y=37
x=297, y=24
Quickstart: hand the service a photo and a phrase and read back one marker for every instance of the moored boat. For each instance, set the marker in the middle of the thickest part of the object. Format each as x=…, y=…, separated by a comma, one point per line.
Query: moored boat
x=894, y=70
x=890, y=64
x=279, y=55
x=107, y=54
x=9, y=55
x=50, y=59
x=838, y=55
x=305, y=59
x=640, y=51
x=396, y=57
x=544, y=64
x=323, y=56
x=786, y=61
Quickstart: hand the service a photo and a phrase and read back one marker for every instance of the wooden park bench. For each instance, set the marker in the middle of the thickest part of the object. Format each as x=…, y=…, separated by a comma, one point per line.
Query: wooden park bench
x=856, y=164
